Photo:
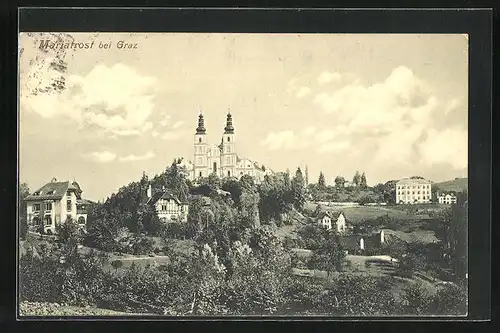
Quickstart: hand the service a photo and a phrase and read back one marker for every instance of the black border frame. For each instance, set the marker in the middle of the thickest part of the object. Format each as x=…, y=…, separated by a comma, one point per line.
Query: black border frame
x=477, y=23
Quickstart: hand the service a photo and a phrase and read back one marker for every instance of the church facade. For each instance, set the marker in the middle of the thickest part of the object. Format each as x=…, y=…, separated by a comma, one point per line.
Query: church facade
x=221, y=159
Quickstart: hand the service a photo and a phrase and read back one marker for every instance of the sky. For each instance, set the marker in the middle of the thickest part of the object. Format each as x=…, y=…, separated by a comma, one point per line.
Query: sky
x=391, y=106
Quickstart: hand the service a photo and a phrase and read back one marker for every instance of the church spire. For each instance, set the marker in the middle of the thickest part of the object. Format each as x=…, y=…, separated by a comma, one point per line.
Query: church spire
x=229, y=129
x=201, y=125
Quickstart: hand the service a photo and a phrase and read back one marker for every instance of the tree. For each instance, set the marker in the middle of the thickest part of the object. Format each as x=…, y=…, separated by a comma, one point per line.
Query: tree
x=356, y=179
x=329, y=255
x=321, y=180
x=148, y=219
x=298, y=190
x=117, y=264
x=24, y=191
x=456, y=234
x=307, y=175
x=69, y=234
x=362, y=182
x=339, y=181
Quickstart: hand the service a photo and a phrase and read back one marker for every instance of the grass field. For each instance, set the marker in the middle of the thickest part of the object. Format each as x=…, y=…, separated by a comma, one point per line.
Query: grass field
x=371, y=266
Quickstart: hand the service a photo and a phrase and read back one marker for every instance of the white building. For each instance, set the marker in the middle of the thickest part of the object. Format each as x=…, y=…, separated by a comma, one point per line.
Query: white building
x=447, y=198
x=326, y=218
x=53, y=204
x=413, y=191
x=168, y=207
x=221, y=159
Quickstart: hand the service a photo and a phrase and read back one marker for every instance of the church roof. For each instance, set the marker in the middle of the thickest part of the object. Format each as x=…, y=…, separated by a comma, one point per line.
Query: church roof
x=201, y=125
x=229, y=129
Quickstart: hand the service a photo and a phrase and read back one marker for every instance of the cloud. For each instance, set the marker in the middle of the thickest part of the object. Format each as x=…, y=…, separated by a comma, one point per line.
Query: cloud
x=116, y=99
x=448, y=146
x=133, y=158
x=325, y=140
x=172, y=135
x=102, y=157
x=178, y=124
x=286, y=139
x=327, y=77
x=396, y=119
x=333, y=147
x=303, y=91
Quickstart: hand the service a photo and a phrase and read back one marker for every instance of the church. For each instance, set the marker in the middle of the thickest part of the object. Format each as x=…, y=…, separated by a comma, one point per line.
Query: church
x=221, y=159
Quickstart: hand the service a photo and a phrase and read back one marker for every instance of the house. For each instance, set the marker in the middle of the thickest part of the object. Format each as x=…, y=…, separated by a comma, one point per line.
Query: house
x=413, y=191
x=55, y=202
x=447, y=198
x=168, y=207
x=325, y=220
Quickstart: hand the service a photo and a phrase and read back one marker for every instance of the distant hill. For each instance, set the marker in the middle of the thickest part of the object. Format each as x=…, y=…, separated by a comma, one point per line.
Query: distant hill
x=457, y=185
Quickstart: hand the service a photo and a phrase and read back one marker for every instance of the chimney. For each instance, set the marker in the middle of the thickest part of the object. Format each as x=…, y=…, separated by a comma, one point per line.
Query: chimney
x=382, y=237
x=149, y=191
x=53, y=180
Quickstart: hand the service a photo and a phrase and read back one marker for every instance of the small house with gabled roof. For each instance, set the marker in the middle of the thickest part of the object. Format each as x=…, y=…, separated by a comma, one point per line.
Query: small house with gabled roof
x=54, y=203
x=168, y=206
x=331, y=220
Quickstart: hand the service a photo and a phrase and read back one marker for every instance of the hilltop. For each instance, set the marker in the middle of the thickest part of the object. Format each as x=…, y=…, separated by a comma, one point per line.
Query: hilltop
x=457, y=185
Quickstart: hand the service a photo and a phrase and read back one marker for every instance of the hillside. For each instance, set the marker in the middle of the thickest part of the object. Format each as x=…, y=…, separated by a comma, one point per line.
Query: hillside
x=457, y=185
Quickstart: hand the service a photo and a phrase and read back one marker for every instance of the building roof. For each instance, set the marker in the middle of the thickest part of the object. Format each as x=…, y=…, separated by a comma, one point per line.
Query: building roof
x=163, y=195
x=413, y=181
x=54, y=191
x=451, y=193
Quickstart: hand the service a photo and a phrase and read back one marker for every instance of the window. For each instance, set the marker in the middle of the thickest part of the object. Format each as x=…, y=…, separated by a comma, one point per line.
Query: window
x=68, y=217
x=81, y=220
x=229, y=173
x=48, y=206
x=68, y=194
x=200, y=173
x=68, y=205
x=36, y=207
x=35, y=221
x=48, y=220
x=199, y=140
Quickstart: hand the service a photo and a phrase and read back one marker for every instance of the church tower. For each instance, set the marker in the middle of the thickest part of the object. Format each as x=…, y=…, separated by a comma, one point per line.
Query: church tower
x=228, y=156
x=200, y=149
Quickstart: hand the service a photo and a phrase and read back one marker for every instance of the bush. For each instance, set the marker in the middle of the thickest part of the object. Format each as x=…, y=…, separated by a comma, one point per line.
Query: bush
x=142, y=245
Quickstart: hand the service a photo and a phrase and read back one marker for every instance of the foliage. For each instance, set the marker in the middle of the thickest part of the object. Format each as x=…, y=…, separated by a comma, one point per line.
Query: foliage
x=356, y=179
x=276, y=197
x=298, y=190
x=117, y=264
x=340, y=181
x=330, y=254
x=357, y=295
x=70, y=235
x=451, y=300
x=24, y=191
x=387, y=191
x=321, y=180
x=362, y=181
x=38, y=277
x=417, y=300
